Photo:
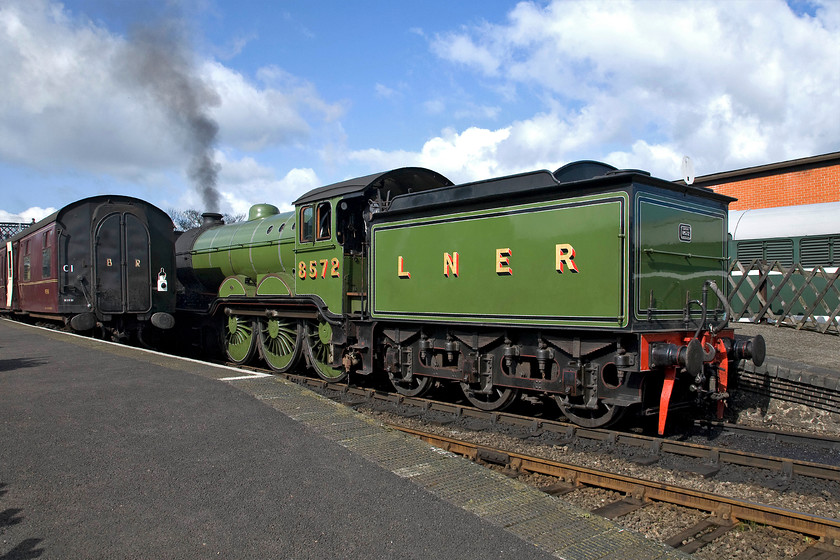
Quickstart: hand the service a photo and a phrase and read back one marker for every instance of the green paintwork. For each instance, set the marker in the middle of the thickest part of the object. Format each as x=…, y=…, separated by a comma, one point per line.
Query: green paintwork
x=259, y=211
x=254, y=250
x=627, y=246
x=669, y=267
x=321, y=352
x=280, y=342
x=535, y=293
x=354, y=284
x=236, y=286
x=323, y=267
x=273, y=285
x=265, y=253
x=240, y=341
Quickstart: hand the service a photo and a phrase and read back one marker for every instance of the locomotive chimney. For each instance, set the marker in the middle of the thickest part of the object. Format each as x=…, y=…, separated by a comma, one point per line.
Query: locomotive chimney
x=211, y=219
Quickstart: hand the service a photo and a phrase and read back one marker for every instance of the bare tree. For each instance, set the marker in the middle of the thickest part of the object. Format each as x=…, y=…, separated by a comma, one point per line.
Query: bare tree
x=189, y=219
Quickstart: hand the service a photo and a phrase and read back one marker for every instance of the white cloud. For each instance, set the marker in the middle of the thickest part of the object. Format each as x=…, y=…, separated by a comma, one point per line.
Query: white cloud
x=384, y=91
x=459, y=48
x=68, y=101
x=459, y=156
x=477, y=111
x=252, y=118
x=730, y=83
x=35, y=213
x=59, y=105
x=435, y=106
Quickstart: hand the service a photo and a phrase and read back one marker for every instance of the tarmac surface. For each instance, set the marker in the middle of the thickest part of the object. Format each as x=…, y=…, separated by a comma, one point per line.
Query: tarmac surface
x=113, y=452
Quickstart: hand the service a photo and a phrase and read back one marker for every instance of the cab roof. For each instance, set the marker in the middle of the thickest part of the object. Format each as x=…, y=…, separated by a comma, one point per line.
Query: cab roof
x=389, y=184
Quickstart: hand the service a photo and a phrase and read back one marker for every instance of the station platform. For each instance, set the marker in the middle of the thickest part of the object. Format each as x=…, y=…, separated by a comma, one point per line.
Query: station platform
x=801, y=356
x=116, y=452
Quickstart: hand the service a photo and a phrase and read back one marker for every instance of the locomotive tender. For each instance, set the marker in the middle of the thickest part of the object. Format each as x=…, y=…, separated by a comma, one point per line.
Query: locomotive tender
x=98, y=262
x=592, y=286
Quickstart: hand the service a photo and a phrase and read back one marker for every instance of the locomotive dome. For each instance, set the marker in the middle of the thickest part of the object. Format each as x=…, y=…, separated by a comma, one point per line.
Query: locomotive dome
x=259, y=211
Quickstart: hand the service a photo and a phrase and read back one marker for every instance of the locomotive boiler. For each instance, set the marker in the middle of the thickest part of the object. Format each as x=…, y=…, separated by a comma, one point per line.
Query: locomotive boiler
x=598, y=288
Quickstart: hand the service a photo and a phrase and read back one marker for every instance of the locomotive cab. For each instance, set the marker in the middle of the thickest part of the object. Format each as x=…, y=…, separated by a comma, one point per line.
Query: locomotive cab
x=333, y=224
x=283, y=284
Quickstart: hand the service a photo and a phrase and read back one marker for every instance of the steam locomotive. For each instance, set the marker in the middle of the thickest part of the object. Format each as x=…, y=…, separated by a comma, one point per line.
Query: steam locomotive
x=596, y=287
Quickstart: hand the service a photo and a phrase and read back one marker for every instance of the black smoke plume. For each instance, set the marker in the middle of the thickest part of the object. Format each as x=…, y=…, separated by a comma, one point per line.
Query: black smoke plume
x=158, y=60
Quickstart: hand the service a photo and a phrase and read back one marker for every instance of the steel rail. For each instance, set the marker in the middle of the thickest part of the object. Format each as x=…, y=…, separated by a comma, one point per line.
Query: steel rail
x=731, y=509
x=794, y=438
x=650, y=448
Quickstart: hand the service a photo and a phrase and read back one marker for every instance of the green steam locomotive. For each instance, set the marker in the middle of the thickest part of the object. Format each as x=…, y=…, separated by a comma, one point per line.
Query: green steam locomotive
x=595, y=287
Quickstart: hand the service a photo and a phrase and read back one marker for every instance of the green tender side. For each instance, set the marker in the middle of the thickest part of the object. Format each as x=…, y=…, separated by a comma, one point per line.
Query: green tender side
x=254, y=250
x=507, y=265
x=679, y=245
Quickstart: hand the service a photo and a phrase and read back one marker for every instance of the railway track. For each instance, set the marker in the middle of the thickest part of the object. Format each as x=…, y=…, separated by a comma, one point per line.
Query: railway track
x=726, y=512
x=707, y=521
x=644, y=450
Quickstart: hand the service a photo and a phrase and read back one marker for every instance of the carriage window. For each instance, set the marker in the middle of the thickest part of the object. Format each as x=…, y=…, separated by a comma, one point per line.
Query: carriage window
x=46, y=257
x=324, y=220
x=27, y=269
x=46, y=263
x=307, y=224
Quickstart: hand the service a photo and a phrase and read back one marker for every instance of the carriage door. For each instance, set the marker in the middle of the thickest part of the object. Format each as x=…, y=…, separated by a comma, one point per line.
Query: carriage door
x=10, y=277
x=122, y=265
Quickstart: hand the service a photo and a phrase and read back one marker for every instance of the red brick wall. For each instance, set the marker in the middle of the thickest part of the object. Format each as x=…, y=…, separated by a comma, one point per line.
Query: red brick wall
x=786, y=188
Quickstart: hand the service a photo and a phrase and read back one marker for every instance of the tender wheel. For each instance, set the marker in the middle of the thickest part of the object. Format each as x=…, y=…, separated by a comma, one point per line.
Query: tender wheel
x=499, y=398
x=280, y=343
x=240, y=341
x=604, y=415
x=417, y=387
x=320, y=352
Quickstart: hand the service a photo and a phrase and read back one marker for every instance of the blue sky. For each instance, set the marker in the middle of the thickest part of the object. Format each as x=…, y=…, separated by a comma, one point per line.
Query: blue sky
x=306, y=93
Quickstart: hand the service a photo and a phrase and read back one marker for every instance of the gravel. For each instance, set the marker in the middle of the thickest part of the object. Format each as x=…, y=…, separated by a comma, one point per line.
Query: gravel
x=661, y=521
x=750, y=409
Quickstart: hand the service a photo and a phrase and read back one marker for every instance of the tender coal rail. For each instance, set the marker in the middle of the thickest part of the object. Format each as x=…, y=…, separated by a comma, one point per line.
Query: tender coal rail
x=726, y=511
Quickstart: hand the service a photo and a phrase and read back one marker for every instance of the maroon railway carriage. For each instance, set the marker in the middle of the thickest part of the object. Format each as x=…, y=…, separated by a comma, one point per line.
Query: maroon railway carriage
x=100, y=262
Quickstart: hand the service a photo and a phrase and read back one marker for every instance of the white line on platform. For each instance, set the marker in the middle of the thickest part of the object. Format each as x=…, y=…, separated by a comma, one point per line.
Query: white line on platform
x=145, y=350
x=252, y=376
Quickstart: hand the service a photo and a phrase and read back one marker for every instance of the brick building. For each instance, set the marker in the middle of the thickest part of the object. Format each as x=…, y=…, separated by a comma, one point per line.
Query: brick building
x=810, y=180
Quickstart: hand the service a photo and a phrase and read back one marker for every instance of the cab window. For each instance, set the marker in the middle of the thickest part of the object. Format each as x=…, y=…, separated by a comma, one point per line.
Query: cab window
x=307, y=224
x=324, y=221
